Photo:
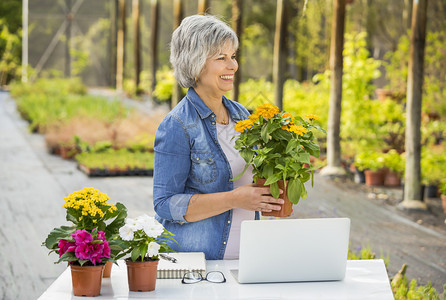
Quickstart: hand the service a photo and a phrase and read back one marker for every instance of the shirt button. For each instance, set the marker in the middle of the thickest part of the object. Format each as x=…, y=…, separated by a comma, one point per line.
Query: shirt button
x=213, y=123
x=198, y=158
x=213, y=116
x=229, y=222
x=224, y=243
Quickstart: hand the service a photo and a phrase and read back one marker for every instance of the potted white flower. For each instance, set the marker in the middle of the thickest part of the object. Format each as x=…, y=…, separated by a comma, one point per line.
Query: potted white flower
x=143, y=238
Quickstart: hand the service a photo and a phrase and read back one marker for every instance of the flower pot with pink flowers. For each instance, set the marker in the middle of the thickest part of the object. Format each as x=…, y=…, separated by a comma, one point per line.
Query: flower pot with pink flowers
x=91, y=240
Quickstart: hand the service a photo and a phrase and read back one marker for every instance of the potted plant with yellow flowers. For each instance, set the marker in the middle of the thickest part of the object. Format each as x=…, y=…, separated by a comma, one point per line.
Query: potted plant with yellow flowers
x=143, y=238
x=278, y=146
x=90, y=242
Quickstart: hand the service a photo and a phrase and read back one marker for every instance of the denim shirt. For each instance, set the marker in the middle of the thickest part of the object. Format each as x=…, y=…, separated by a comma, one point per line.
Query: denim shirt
x=188, y=161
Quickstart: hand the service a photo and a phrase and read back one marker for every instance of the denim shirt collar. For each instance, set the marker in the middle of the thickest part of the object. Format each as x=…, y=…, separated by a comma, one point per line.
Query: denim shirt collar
x=204, y=111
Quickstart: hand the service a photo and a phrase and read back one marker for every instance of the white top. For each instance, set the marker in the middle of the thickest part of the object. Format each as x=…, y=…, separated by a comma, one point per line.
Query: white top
x=225, y=134
x=364, y=279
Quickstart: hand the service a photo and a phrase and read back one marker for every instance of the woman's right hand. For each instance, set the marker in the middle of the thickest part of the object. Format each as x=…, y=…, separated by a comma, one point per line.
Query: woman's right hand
x=252, y=197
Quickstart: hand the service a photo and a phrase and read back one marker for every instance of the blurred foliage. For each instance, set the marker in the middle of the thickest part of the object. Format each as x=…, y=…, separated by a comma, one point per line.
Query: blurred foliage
x=10, y=53
x=434, y=85
x=51, y=100
x=121, y=159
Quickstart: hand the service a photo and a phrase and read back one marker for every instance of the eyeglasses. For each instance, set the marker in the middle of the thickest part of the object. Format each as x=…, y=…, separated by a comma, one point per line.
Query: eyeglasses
x=194, y=277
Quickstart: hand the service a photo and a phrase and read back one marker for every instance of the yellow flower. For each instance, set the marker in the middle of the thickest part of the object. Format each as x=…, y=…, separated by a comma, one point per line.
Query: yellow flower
x=241, y=126
x=254, y=118
x=288, y=115
x=267, y=111
x=300, y=130
x=312, y=117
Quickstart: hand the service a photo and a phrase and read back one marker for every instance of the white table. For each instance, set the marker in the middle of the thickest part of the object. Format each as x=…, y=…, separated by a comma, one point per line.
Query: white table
x=365, y=279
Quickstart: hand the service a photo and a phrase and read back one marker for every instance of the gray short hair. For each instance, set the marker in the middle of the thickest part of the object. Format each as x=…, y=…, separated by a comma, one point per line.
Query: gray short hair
x=195, y=40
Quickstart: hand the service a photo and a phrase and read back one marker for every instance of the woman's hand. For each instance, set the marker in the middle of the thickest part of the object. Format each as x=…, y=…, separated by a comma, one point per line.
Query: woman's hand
x=252, y=197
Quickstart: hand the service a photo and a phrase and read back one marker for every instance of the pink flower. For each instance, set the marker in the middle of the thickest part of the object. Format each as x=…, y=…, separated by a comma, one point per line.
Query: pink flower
x=101, y=235
x=65, y=246
x=82, y=236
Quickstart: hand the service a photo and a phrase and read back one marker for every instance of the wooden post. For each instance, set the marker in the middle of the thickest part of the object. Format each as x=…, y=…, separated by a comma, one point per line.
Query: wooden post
x=412, y=186
x=136, y=42
x=333, y=167
x=25, y=6
x=120, y=46
x=68, y=33
x=280, y=52
x=112, y=42
x=237, y=9
x=177, y=17
x=154, y=40
x=203, y=6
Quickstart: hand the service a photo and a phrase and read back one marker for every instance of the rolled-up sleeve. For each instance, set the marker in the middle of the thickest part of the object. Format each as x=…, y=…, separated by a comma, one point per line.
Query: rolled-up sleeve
x=171, y=170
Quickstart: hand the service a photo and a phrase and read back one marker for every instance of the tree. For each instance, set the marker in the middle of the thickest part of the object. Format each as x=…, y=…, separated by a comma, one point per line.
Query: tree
x=334, y=113
x=412, y=187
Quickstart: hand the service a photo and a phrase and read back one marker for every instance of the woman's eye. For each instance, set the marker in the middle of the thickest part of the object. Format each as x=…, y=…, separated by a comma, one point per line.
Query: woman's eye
x=233, y=57
x=221, y=58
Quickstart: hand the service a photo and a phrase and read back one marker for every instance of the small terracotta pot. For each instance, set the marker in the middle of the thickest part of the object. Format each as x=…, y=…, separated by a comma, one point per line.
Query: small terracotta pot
x=443, y=201
x=86, y=280
x=141, y=275
x=374, y=177
x=287, y=207
x=107, y=269
x=392, y=179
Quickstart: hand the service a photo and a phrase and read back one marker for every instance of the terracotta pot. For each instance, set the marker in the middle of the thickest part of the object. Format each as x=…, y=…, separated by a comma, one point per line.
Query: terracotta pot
x=443, y=201
x=374, y=177
x=86, y=280
x=392, y=179
x=141, y=275
x=107, y=269
x=287, y=207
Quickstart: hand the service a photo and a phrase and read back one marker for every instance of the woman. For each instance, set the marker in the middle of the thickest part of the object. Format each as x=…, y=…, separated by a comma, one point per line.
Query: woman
x=195, y=160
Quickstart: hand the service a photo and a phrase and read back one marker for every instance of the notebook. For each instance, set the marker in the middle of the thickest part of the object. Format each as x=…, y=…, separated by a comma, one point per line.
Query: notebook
x=186, y=261
x=290, y=250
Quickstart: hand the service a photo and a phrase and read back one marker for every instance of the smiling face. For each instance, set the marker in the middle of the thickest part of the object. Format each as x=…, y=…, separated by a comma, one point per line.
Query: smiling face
x=217, y=76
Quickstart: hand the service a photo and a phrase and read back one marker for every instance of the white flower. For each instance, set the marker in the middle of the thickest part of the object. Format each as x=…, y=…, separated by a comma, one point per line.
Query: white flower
x=135, y=224
x=153, y=249
x=126, y=233
x=153, y=229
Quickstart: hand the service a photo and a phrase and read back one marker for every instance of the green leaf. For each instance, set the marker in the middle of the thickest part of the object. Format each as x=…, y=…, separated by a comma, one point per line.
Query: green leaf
x=143, y=249
x=292, y=145
x=71, y=218
x=241, y=174
x=63, y=232
x=294, y=190
x=274, y=189
x=304, y=157
x=272, y=179
x=303, y=193
x=136, y=253
x=264, y=134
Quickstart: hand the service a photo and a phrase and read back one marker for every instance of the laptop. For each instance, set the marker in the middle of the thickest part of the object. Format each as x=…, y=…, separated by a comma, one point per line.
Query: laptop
x=292, y=250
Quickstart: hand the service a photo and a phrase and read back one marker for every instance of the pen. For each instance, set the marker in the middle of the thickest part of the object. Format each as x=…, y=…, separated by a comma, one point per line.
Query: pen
x=169, y=258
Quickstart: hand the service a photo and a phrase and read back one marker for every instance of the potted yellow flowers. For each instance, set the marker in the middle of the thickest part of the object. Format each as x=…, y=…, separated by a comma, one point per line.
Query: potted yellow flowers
x=278, y=146
x=89, y=243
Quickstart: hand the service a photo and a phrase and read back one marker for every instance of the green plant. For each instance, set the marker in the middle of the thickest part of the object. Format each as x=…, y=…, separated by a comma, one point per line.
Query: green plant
x=442, y=187
x=369, y=160
x=93, y=218
x=394, y=161
x=278, y=147
x=433, y=164
x=144, y=238
x=165, y=81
